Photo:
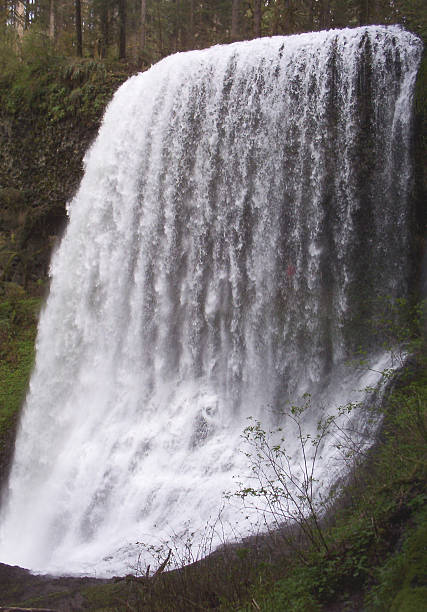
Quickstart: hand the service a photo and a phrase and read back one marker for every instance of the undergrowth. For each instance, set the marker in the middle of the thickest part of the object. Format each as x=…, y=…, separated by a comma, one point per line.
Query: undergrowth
x=36, y=80
x=18, y=318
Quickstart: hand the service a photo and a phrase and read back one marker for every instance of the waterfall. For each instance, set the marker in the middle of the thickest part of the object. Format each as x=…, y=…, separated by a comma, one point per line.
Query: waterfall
x=240, y=207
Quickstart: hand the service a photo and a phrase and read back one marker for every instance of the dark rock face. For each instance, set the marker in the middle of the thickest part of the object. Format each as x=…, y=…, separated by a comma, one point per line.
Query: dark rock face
x=40, y=168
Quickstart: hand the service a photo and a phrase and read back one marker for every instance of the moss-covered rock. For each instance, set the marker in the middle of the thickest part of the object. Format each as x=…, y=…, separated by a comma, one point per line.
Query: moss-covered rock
x=18, y=323
x=50, y=111
x=402, y=580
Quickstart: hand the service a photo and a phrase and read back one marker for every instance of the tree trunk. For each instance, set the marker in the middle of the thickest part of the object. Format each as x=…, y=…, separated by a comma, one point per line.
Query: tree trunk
x=52, y=20
x=79, y=35
x=160, y=31
x=176, y=40
x=20, y=18
x=179, y=32
x=311, y=16
x=28, y=14
x=257, y=18
x=324, y=18
x=122, y=29
x=4, y=11
x=363, y=12
x=104, y=24
x=143, y=31
x=235, y=31
x=191, y=36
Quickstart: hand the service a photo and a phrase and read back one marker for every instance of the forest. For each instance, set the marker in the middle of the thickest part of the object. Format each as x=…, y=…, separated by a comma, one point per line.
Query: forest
x=61, y=62
x=142, y=32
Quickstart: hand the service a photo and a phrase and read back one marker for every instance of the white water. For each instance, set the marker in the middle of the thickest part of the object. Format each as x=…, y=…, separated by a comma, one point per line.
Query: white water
x=238, y=206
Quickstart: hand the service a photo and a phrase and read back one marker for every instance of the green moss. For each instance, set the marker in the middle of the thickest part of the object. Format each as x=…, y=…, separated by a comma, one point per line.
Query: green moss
x=18, y=322
x=402, y=581
x=410, y=600
x=292, y=594
x=106, y=597
x=45, y=600
x=49, y=86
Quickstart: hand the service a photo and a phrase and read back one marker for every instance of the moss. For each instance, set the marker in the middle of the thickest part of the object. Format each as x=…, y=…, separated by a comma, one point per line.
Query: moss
x=50, y=111
x=18, y=322
x=106, y=597
x=292, y=594
x=410, y=600
x=402, y=581
x=45, y=600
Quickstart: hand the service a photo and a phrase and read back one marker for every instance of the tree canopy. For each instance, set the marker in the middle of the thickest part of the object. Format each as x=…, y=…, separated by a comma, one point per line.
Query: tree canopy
x=144, y=31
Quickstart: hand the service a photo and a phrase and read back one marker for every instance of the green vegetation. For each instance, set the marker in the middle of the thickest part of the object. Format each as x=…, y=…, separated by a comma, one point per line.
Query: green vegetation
x=144, y=31
x=18, y=317
x=50, y=110
x=42, y=83
x=401, y=582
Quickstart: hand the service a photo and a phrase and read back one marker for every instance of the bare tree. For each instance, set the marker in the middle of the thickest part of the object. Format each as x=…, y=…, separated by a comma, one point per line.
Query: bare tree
x=191, y=21
x=4, y=11
x=325, y=14
x=103, y=10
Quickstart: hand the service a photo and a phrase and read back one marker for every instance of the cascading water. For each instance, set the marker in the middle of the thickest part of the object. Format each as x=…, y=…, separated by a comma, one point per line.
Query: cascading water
x=238, y=207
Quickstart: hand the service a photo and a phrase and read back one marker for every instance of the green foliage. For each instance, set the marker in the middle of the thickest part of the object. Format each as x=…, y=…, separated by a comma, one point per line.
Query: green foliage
x=9, y=60
x=18, y=316
x=106, y=597
x=379, y=502
x=414, y=13
x=397, y=324
x=292, y=594
x=38, y=81
x=50, y=109
x=401, y=581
